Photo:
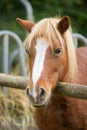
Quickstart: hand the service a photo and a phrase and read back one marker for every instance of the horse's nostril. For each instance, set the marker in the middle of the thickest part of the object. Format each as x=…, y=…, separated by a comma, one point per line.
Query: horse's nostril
x=27, y=91
x=42, y=93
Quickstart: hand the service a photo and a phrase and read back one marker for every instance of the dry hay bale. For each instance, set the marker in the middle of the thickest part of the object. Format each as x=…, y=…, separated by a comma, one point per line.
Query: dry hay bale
x=16, y=113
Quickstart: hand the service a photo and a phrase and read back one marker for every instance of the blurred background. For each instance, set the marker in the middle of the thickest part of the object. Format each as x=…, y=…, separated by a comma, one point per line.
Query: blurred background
x=11, y=9
x=16, y=113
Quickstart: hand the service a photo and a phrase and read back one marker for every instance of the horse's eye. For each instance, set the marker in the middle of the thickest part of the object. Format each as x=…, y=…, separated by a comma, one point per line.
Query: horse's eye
x=57, y=51
x=27, y=52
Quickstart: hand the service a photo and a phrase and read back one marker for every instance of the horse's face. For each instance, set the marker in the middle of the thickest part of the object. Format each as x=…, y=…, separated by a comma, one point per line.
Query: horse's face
x=48, y=66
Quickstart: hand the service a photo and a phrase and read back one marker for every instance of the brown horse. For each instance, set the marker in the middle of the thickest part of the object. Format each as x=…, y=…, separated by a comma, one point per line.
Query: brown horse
x=53, y=58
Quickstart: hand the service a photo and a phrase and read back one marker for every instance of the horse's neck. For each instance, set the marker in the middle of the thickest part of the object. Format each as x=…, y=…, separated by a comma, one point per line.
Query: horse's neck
x=81, y=76
x=59, y=112
x=82, y=65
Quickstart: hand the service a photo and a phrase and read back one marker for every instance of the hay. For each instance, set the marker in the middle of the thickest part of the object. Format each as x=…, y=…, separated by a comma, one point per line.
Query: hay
x=16, y=113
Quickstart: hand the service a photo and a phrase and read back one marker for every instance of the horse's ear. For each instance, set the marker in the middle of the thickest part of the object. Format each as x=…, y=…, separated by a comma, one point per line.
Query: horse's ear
x=63, y=24
x=26, y=24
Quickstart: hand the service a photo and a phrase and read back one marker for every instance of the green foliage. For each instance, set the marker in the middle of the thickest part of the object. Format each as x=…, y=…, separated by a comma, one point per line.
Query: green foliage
x=76, y=9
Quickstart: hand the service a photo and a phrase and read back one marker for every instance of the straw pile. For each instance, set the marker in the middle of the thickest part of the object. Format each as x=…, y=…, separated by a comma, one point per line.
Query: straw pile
x=16, y=113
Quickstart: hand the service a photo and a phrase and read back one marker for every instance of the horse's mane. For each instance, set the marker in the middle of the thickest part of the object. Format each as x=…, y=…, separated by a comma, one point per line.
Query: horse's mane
x=48, y=28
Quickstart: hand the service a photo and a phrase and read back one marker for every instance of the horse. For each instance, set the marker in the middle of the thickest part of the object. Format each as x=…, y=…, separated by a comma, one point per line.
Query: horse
x=53, y=59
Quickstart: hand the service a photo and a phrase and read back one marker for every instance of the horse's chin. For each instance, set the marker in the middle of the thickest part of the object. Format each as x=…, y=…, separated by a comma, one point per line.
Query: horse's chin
x=39, y=105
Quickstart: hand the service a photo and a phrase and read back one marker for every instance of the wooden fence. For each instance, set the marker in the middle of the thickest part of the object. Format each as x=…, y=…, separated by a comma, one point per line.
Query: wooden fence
x=63, y=89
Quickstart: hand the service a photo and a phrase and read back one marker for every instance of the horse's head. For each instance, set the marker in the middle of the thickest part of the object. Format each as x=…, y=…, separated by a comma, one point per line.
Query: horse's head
x=48, y=50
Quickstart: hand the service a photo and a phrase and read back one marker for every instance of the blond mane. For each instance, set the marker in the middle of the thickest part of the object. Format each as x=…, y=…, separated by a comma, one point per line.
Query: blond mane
x=48, y=28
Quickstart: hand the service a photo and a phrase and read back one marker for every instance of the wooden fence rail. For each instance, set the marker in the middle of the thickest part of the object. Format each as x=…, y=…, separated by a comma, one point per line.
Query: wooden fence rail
x=63, y=89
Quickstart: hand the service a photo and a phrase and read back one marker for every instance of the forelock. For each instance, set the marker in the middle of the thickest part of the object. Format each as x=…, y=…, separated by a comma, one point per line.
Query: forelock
x=46, y=28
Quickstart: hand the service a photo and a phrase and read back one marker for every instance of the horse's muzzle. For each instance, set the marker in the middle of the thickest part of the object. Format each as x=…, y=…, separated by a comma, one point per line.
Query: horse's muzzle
x=37, y=100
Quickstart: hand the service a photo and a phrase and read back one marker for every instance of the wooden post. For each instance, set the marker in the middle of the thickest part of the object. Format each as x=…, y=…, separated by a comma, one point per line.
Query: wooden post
x=71, y=90
x=63, y=89
x=18, y=82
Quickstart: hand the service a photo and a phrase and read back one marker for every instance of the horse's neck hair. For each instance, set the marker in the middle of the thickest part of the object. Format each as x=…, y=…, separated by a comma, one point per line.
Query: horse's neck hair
x=72, y=61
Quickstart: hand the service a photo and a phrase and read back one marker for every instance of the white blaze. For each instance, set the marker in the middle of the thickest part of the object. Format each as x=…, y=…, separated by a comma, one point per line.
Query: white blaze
x=41, y=47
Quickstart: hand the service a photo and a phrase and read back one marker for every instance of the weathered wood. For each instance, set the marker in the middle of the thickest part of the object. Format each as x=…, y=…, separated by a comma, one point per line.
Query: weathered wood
x=18, y=82
x=63, y=89
x=72, y=90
